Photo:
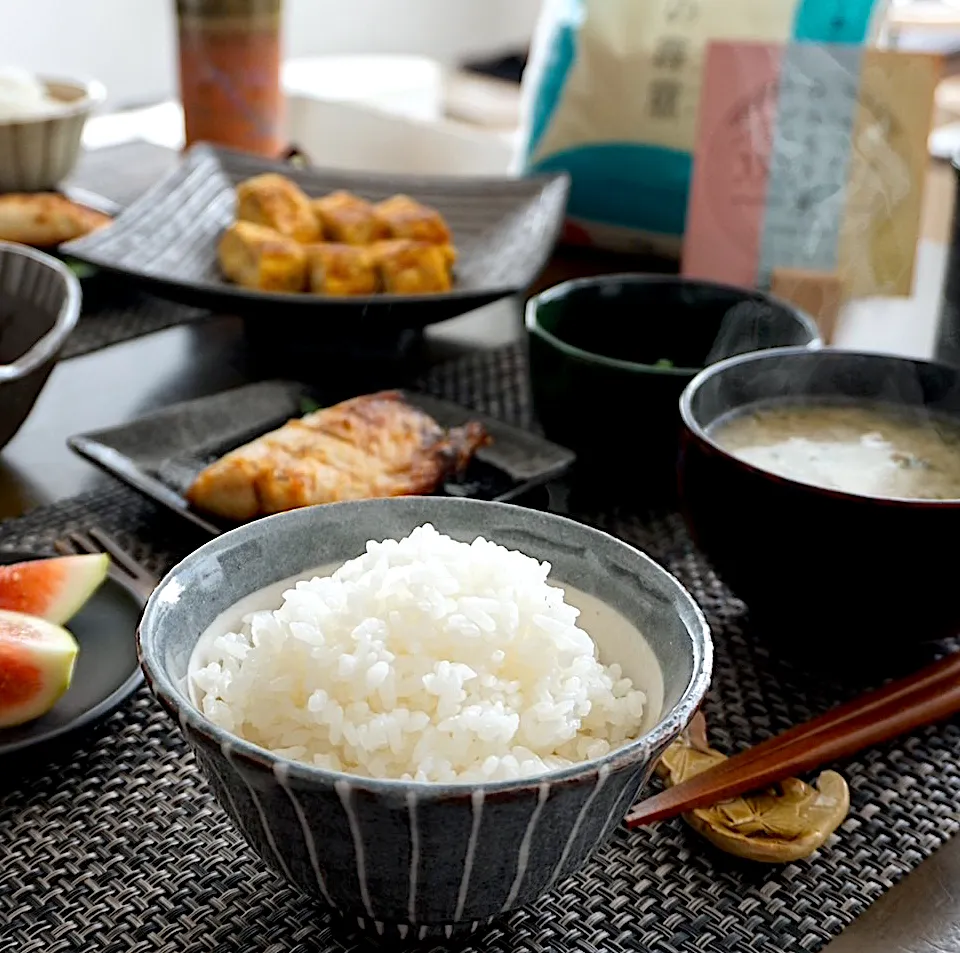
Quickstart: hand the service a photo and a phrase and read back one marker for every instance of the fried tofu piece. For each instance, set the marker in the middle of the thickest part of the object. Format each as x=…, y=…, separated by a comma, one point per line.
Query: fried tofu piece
x=258, y=257
x=274, y=201
x=368, y=447
x=409, y=268
x=338, y=269
x=347, y=218
x=45, y=219
x=405, y=217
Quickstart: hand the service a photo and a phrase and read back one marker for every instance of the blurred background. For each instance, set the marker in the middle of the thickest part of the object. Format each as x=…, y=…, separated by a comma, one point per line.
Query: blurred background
x=130, y=45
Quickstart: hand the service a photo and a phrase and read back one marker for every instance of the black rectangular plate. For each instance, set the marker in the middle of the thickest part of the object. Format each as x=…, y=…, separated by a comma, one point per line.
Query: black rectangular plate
x=504, y=229
x=161, y=454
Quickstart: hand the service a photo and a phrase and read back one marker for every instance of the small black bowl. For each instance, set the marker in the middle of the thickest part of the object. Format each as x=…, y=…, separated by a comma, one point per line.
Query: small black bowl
x=835, y=576
x=610, y=356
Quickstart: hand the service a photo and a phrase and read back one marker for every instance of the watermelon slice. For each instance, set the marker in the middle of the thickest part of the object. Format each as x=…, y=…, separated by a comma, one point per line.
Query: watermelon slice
x=53, y=589
x=36, y=665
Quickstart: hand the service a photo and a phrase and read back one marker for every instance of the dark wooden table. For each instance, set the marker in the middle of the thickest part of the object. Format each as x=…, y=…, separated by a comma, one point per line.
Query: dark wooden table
x=921, y=915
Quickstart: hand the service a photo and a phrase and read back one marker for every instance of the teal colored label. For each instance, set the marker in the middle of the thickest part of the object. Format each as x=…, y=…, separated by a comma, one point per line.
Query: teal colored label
x=626, y=184
x=833, y=21
x=563, y=51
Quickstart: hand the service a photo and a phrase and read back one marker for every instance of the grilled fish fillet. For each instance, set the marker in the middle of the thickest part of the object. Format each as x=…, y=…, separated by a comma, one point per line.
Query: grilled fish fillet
x=45, y=219
x=368, y=447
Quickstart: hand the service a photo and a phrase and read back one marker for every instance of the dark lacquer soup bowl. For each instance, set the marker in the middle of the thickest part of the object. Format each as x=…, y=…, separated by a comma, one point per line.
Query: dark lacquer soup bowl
x=409, y=858
x=836, y=573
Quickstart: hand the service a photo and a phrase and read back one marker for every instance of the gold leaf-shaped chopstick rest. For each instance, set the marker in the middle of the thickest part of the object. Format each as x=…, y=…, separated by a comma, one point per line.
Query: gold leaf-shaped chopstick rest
x=783, y=823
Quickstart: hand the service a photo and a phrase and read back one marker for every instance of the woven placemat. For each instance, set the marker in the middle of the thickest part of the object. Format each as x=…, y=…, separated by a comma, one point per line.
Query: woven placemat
x=120, y=846
x=112, y=318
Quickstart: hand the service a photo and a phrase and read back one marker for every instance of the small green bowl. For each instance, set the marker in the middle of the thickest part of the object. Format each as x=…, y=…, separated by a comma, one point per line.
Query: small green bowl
x=610, y=356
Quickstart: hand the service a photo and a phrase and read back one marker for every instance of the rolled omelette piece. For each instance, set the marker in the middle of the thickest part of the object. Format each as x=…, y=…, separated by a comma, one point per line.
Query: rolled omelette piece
x=277, y=202
x=255, y=256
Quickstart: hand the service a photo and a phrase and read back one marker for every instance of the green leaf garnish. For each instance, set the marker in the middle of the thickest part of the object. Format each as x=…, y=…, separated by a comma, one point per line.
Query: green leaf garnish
x=80, y=268
x=308, y=405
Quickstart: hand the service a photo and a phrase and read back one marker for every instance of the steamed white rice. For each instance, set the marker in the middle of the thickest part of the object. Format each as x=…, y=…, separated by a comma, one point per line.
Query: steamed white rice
x=425, y=659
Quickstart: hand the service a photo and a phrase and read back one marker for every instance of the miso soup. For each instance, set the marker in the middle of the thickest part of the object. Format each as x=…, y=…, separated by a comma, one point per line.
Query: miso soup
x=867, y=448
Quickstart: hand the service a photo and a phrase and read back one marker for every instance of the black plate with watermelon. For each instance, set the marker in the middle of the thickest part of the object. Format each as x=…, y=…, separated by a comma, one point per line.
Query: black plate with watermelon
x=68, y=652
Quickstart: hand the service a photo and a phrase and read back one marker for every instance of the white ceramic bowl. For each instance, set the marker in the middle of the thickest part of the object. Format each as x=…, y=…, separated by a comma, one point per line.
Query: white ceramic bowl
x=38, y=154
x=351, y=135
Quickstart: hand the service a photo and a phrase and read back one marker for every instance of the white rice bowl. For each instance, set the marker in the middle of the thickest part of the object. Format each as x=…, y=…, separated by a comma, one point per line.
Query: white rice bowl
x=424, y=659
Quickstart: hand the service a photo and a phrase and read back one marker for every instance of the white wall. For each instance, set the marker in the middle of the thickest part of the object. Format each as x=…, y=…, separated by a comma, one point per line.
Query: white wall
x=129, y=44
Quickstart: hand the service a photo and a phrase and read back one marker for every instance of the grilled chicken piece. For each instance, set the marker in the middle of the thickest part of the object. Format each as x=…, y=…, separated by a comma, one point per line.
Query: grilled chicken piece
x=405, y=217
x=337, y=269
x=274, y=201
x=45, y=219
x=347, y=218
x=368, y=447
x=258, y=257
x=409, y=268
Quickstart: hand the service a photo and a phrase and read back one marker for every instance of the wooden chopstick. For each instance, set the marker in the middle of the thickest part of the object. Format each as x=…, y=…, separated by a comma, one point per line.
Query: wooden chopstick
x=927, y=696
x=900, y=692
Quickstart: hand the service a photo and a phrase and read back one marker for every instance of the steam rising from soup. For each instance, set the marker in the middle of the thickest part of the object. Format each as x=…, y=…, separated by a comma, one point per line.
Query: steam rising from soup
x=867, y=448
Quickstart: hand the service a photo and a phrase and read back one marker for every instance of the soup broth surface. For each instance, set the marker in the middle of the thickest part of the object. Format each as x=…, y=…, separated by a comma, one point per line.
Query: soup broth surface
x=871, y=449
